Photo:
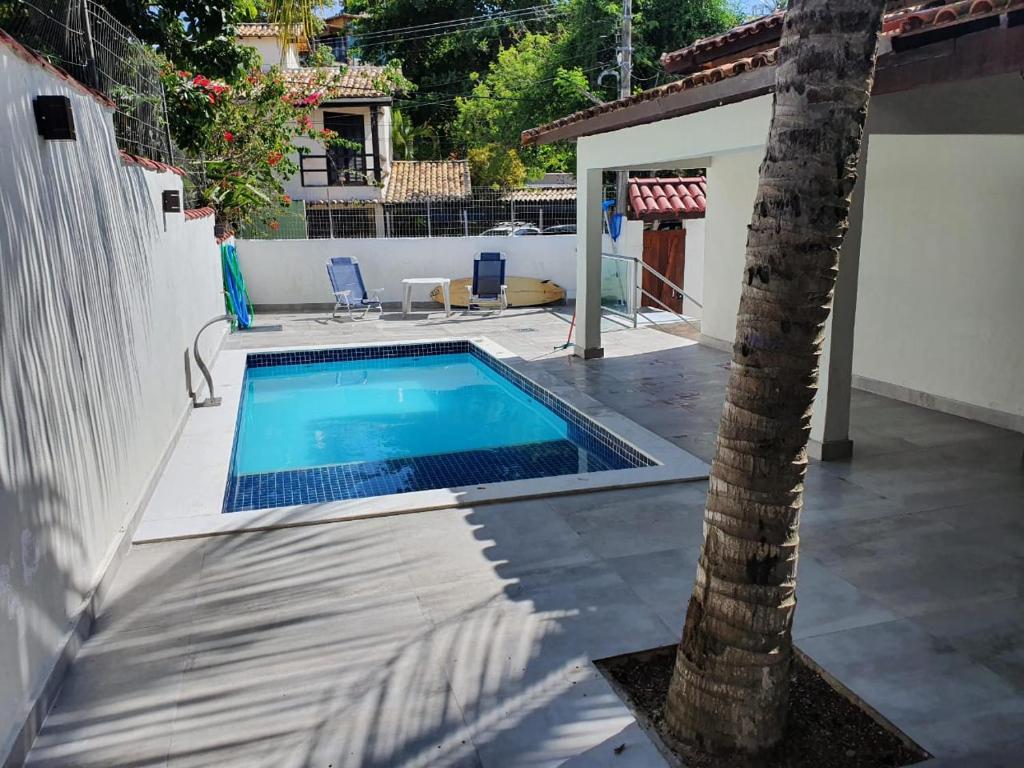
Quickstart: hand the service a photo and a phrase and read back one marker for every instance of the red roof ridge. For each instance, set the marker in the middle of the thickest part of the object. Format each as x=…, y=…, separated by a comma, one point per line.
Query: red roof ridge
x=686, y=58
x=34, y=58
x=148, y=164
x=697, y=79
x=198, y=213
x=671, y=197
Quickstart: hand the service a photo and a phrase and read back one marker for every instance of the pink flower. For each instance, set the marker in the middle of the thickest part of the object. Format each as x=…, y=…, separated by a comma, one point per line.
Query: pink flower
x=229, y=136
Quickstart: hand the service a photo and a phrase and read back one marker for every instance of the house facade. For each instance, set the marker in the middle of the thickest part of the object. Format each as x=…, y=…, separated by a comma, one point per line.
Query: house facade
x=356, y=105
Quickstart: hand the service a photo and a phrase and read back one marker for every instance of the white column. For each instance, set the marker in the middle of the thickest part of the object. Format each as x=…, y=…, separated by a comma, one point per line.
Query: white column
x=830, y=421
x=588, y=263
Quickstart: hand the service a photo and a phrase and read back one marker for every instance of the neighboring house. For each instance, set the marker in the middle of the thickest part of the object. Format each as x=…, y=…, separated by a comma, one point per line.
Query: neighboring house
x=264, y=38
x=338, y=35
x=926, y=307
x=358, y=108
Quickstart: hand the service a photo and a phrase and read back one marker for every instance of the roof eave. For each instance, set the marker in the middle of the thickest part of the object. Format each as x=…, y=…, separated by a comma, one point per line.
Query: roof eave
x=355, y=101
x=747, y=85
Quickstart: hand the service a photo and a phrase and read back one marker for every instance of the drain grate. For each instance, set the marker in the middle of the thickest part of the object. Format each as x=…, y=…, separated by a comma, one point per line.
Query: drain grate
x=525, y=330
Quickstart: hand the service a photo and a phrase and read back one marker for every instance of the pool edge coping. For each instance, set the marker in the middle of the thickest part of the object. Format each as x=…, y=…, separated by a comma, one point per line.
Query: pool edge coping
x=188, y=501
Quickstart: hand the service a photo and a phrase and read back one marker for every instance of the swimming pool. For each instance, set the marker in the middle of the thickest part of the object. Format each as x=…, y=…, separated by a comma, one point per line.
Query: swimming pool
x=332, y=424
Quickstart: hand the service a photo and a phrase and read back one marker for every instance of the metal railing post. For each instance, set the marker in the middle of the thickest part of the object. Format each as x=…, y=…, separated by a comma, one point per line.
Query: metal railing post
x=94, y=73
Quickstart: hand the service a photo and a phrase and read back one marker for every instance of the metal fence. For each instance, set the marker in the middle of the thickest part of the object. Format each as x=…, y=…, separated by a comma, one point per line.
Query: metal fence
x=498, y=212
x=84, y=39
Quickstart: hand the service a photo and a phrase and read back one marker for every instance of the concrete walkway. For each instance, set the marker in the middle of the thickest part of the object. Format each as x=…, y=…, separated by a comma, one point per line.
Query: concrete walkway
x=464, y=637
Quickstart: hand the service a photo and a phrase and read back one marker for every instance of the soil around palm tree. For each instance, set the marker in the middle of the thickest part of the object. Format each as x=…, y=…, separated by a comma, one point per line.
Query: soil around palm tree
x=825, y=728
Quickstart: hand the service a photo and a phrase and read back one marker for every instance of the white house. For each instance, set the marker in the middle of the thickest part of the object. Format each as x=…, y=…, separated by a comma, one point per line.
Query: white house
x=928, y=306
x=356, y=105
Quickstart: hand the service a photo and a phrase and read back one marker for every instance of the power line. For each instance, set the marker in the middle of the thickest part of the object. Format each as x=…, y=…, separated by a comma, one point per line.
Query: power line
x=465, y=21
x=361, y=42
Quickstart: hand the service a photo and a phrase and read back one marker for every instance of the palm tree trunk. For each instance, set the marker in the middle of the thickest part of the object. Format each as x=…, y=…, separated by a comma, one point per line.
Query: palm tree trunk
x=730, y=686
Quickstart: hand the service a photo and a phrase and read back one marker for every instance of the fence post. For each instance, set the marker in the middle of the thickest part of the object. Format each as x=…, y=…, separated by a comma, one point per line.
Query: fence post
x=167, y=126
x=540, y=217
x=430, y=231
x=511, y=210
x=465, y=221
x=90, y=49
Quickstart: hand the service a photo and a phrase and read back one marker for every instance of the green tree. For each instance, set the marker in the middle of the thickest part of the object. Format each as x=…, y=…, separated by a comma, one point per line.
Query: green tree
x=524, y=86
x=495, y=166
x=194, y=35
x=412, y=142
x=439, y=64
x=244, y=135
x=730, y=686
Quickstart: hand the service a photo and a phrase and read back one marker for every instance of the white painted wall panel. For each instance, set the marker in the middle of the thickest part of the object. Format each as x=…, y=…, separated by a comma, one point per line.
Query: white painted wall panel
x=939, y=304
x=99, y=297
x=293, y=271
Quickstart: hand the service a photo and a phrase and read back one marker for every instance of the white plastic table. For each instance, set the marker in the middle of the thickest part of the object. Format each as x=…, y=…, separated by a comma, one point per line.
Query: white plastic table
x=444, y=283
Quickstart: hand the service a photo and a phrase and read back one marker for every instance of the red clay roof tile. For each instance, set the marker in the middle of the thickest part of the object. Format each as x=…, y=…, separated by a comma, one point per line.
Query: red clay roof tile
x=673, y=197
x=764, y=31
x=690, y=58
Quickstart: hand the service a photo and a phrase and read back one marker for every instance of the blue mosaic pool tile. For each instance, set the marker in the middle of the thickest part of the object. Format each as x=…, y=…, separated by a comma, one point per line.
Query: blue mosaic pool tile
x=589, y=447
x=346, y=354
x=449, y=470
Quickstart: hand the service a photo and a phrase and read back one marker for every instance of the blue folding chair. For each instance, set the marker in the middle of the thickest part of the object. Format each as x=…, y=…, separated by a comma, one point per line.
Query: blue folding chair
x=349, y=289
x=488, y=286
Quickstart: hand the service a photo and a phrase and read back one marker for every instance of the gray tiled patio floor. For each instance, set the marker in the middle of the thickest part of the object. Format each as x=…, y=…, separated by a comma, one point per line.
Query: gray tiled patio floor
x=463, y=637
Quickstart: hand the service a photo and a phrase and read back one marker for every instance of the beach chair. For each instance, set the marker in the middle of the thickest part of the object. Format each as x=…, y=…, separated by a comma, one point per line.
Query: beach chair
x=349, y=290
x=488, y=289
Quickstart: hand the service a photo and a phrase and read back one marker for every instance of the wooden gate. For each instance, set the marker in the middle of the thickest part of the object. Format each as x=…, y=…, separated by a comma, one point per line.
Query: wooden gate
x=665, y=251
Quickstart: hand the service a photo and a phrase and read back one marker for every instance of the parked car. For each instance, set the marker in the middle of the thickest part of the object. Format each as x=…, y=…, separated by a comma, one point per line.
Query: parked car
x=560, y=229
x=511, y=229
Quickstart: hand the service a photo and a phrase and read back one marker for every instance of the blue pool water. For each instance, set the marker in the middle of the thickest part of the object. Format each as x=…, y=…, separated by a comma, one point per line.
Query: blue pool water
x=340, y=424
x=299, y=416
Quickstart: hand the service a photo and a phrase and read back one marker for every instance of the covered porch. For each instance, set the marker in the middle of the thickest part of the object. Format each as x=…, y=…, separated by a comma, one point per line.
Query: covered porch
x=927, y=306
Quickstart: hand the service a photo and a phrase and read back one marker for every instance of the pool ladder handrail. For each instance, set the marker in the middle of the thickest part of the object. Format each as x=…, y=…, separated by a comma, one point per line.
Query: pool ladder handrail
x=211, y=401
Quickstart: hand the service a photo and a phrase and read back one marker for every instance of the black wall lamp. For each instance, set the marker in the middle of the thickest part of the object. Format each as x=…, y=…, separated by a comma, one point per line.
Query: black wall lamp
x=54, y=120
x=172, y=201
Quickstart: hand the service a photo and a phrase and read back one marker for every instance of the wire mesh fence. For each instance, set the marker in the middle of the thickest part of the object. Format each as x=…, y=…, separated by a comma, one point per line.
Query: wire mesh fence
x=84, y=39
x=519, y=212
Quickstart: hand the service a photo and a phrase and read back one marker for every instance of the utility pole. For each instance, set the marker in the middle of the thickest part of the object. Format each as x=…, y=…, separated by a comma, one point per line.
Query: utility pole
x=625, y=89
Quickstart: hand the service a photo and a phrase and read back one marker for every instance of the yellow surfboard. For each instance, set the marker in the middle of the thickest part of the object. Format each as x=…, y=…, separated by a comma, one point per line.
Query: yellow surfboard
x=522, y=292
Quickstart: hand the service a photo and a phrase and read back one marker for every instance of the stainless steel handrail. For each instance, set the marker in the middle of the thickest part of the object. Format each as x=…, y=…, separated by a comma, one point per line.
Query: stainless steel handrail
x=210, y=401
x=640, y=264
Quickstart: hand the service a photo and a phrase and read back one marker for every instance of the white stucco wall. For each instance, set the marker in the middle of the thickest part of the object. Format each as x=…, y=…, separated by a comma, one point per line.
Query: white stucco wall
x=693, y=269
x=939, y=305
x=293, y=271
x=98, y=300
x=732, y=184
x=269, y=49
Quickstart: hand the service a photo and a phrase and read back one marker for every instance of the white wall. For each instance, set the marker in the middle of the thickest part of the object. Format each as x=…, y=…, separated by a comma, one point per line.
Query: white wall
x=269, y=49
x=732, y=184
x=281, y=272
x=98, y=304
x=939, y=303
x=693, y=269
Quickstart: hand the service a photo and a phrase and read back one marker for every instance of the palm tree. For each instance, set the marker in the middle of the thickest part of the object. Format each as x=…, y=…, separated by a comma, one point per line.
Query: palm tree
x=405, y=136
x=295, y=19
x=730, y=685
